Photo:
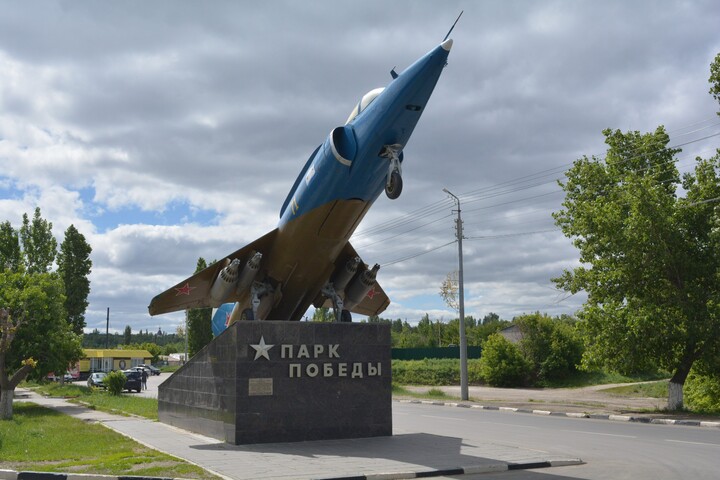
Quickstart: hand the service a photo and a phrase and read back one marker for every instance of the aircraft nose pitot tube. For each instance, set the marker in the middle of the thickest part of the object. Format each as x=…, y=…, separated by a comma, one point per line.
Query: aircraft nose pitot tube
x=360, y=286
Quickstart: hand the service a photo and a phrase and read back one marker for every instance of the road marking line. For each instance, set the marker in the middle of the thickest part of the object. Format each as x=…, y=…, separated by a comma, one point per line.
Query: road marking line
x=694, y=443
x=603, y=434
x=510, y=425
x=442, y=418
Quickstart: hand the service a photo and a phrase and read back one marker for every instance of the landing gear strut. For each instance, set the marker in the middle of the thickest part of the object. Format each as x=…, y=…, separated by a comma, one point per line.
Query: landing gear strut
x=393, y=188
x=341, y=315
x=260, y=295
x=394, y=184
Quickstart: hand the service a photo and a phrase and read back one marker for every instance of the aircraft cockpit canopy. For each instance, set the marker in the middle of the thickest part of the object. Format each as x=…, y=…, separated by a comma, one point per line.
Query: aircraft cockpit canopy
x=366, y=100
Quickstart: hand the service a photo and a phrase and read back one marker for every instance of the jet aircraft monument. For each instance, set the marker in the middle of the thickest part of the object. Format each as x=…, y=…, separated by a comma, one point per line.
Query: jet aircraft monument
x=308, y=259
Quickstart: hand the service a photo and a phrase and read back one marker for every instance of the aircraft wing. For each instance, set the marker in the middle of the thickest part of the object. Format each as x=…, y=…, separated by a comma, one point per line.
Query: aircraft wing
x=375, y=301
x=194, y=292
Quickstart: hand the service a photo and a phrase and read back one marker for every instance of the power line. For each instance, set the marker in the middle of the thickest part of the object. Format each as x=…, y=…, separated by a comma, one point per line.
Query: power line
x=410, y=257
x=508, y=235
x=525, y=182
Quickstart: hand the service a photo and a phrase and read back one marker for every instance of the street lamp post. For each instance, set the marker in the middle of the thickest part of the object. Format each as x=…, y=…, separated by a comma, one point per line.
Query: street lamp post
x=461, y=303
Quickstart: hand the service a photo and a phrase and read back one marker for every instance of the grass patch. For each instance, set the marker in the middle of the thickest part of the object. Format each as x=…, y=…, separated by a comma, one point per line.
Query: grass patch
x=55, y=389
x=433, y=393
x=99, y=399
x=122, y=404
x=437, y=393
x=587, y=379
x=652, y=390
x=41, y=439
x=400, y=390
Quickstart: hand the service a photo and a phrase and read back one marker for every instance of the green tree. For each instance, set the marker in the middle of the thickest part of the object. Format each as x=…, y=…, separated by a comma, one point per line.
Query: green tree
x=127, y=335
x=74, y=266
x=490, y=318
x=429, y=330
x=323, y=314
x=10, y=253
x=34, y=331
x=199, y=321
x=491, y=323
x=715, y=78
x=9, y=378
x=38, y=244
x=650, y=259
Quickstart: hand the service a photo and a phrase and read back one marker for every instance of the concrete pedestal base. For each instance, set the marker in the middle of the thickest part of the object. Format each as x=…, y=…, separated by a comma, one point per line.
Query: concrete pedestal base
x=261, y=382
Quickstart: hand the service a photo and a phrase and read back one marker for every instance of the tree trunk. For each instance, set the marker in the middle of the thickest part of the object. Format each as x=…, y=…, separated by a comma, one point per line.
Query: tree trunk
x=6, y=404
x=675, y=387
x=675, y=396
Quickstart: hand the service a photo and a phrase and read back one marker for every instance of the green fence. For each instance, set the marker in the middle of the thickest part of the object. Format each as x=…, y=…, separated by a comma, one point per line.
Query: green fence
x=437, y=352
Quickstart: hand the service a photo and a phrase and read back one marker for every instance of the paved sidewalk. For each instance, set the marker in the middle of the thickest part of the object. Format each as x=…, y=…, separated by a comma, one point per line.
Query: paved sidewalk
x=400, y=456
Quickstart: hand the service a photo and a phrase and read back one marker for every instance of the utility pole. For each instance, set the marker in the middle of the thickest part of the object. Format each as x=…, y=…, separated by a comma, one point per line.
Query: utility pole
x=186, y=337
x=107, y=329
x=461, y=302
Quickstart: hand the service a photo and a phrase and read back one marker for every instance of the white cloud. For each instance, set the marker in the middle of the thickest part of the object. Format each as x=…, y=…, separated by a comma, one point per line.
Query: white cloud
x=176, y=132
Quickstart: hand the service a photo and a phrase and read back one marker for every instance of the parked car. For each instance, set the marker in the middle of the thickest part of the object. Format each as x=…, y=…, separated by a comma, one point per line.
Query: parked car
x=153, y=370
x=134, y=380
x=67, y=377
x=97, y=379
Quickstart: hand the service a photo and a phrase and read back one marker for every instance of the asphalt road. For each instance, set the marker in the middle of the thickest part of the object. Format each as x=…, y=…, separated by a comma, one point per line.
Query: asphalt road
x=611, y=449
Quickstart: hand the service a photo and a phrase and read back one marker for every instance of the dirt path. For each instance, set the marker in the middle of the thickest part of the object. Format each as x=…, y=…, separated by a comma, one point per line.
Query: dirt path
x=587, y=399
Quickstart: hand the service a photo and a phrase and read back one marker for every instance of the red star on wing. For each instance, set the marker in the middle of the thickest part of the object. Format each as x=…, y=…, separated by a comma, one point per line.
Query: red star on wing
x=227, y=319
x=371, y=293
x=184, y=290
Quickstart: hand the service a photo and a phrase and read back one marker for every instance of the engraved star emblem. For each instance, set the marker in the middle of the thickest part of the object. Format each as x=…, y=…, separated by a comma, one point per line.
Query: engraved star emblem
x=261, y=349
x=184, y=290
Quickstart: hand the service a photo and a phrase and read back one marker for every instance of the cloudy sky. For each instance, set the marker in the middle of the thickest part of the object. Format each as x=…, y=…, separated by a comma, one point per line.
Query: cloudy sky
x=166, y=131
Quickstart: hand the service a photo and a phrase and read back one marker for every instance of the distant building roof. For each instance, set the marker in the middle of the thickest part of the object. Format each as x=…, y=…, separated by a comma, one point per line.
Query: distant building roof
x=115, y=353
x=512, y=333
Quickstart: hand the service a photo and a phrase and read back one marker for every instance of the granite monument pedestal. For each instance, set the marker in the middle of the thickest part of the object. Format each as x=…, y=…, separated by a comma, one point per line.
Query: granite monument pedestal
x=275, y=381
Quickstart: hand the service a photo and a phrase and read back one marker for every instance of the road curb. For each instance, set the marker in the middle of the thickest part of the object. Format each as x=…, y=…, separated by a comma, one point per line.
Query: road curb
x=30, y=475
x=467, y=470
x=592, y=416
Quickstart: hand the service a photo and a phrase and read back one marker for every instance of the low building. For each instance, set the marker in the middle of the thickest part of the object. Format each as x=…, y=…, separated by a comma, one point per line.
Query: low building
x=174, y=359
x=105, y=360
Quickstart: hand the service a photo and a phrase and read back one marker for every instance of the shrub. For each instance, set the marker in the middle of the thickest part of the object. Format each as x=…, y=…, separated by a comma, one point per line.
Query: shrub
x=433, y=371
x=553, y=348
x=474, y=372
x=702, y=393
x=426, y=372
x=502, y=363
x=115, y=382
